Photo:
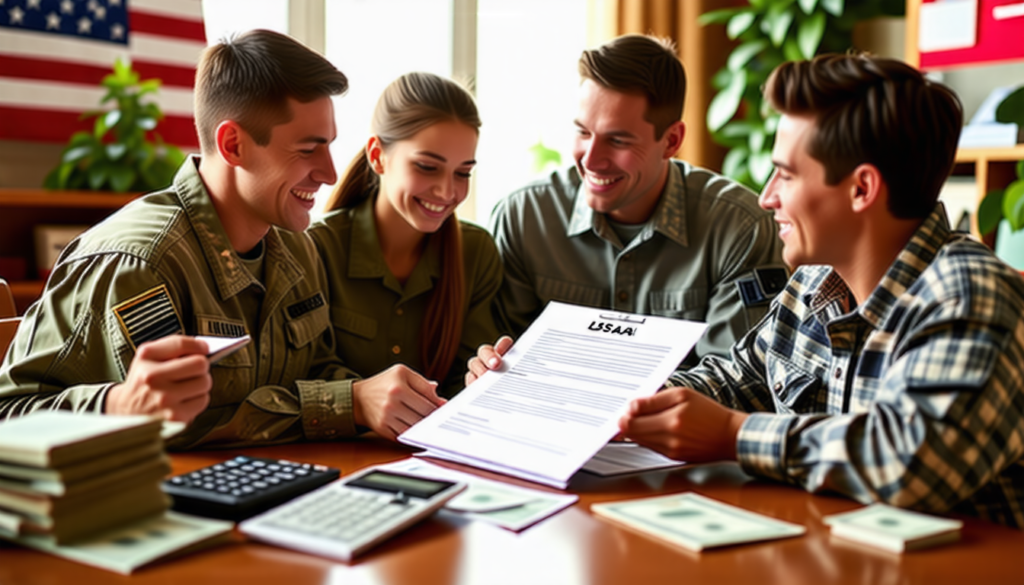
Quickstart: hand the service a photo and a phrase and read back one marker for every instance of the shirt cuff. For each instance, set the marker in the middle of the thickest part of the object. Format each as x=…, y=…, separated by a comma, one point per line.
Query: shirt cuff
x=761, y=444
x=326, y=409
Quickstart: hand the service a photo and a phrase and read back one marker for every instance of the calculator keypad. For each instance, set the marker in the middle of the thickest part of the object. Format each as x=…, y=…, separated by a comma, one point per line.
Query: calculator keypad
x=240, y=487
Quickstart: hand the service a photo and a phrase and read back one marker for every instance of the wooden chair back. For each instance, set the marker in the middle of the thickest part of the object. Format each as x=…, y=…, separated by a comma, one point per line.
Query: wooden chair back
x=7, y=308
x=8, y=327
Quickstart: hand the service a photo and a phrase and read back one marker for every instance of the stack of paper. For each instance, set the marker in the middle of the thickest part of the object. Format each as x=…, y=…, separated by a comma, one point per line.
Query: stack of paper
x=894, y=529
x=559, y=394
x=70, y=483
x=693, y=521
x=70, y=476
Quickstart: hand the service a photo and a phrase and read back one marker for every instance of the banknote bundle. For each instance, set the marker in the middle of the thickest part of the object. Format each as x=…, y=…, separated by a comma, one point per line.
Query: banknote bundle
x=70, y=481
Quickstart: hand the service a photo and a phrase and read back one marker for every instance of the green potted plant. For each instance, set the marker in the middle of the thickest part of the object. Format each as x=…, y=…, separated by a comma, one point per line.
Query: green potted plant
x=771, y=32
x=118, y=155
x=1003, y=210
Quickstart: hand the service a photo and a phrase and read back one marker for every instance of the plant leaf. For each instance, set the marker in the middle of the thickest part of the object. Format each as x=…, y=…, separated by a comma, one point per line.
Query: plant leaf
x=1011, y=109
x=739, y=24
x=761, y=167
x=98, y=176
x=716, y=16
x=735, y=162
x=121, y=178
x=833, y=7
x=1020, y=169
x=990, y=211
x=724, y=105
x=112, y=118
x=809, y=34
x=116, y=151
x=742, y=54
x=807, y=6
x=146, y=123
x=1013, y=205
x=779, y=19
x=73, y=155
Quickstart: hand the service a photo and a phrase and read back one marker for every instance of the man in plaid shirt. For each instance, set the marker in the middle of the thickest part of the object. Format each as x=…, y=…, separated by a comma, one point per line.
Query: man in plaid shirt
x=892, y=366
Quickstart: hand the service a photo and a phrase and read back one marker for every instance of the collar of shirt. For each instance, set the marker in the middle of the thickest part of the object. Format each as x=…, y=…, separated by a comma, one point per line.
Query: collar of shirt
x=833, y=294
x=227, y=268
x=369, y=261
x=669, y=217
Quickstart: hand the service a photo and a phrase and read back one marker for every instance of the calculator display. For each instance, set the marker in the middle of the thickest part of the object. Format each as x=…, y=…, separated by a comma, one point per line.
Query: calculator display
x=418, y=487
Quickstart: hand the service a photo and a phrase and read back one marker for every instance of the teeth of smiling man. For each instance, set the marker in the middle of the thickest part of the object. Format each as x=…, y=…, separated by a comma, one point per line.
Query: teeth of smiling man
x=432, y=207
x=306, y=195
x=599, y=181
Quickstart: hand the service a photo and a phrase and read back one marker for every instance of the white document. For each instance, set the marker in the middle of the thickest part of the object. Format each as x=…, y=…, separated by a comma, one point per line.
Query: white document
x=623, y=458
x=221, y=347
x=520, y=507
x=948, y=24
x=559, y=394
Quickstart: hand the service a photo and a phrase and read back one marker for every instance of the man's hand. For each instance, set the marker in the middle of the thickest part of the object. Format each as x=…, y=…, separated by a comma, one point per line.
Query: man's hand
x=488, y=357
x=393, y=400
x=683, y=424
x=169, y=377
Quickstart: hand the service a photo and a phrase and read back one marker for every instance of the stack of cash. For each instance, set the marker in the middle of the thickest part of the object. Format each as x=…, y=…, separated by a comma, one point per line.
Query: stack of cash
x=69, y=477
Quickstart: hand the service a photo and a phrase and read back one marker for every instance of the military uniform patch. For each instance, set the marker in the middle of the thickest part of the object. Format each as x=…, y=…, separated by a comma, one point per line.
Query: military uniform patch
x=148, y=316
x=762, y=286
x=304, y=306
x=219, y=327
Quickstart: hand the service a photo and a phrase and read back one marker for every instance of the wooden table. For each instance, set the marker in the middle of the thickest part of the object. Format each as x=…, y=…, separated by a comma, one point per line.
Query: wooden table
x=570, y=547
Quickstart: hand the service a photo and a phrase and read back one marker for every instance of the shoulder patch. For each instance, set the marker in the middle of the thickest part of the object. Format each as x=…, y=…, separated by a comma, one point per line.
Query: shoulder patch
x=219, y=327
x=302, y=307
x=762, y=286
x=148, y=316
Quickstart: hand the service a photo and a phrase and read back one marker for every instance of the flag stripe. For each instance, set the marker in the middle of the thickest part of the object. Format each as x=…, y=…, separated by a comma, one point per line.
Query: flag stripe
x=71, y=96
x=143, y=22
x=26, y=68
x=143, y=46
x=190, y=9
x=56, y=126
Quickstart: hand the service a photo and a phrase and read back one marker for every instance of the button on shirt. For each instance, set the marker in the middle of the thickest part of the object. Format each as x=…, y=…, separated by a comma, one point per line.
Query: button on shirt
x=914, y=398
x=705, y=233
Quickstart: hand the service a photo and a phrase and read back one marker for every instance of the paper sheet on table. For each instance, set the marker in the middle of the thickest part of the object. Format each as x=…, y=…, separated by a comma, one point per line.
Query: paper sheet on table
x=623, y=458
x=559, y=394
x=535, y=505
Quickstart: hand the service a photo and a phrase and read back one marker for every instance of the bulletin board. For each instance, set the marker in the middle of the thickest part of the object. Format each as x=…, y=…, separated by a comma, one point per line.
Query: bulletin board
x=998, y=40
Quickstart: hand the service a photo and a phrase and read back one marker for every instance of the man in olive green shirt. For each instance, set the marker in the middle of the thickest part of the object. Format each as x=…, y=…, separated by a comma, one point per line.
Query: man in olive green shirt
x=212, y=255
x=630, y=229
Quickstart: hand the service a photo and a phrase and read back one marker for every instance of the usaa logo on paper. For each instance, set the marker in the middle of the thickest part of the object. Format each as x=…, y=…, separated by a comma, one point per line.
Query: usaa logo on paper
x=612, y=328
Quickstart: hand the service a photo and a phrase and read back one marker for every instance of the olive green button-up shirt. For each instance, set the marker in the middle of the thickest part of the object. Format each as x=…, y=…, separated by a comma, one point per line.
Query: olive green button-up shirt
x=706, y=234
x=377, y=320
x=161, y=265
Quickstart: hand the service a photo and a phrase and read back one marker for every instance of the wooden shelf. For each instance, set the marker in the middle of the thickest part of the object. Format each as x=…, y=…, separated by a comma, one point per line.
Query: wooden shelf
x=77, y=199
x=22, y=209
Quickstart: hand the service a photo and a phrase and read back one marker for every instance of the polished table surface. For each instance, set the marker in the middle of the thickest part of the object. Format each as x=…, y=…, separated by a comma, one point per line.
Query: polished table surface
x=570, y=547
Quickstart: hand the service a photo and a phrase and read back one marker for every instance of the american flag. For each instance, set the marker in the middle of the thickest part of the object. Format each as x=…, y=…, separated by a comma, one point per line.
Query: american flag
x=54, y=53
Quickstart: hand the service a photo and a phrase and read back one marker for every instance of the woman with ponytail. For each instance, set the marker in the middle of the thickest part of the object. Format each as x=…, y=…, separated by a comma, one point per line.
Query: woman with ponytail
x=410, y=283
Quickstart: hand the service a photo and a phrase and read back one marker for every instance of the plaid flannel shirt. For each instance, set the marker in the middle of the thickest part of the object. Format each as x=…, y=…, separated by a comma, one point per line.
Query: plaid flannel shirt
x=914, y=398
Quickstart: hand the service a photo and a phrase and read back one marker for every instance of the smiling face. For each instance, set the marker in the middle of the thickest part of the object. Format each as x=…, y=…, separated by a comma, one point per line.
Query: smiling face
x=282, y=178
x=622, y=165
x=425, y=177
x=815, y=219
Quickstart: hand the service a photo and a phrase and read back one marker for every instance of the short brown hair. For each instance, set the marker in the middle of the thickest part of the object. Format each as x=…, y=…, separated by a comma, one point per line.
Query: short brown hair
x=249, y=79
x=644, y=65
x=878, y=111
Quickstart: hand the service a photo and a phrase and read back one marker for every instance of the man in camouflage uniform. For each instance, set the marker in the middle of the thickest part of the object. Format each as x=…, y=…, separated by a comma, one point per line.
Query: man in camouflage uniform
x=112, y=331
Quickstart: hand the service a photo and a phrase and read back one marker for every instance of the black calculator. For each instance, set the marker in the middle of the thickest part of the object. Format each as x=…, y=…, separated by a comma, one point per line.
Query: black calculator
x=244, y=486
